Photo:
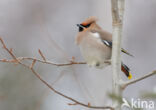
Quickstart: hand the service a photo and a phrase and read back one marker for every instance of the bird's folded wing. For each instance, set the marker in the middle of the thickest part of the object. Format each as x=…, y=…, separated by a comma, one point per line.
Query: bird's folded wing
x=109, y=44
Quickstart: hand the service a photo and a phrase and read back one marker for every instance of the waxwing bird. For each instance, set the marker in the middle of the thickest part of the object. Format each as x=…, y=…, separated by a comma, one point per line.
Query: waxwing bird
x=96, y=45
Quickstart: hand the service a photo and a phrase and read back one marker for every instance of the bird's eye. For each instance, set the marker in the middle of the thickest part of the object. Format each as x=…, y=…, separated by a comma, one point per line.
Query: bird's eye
x=80, y=29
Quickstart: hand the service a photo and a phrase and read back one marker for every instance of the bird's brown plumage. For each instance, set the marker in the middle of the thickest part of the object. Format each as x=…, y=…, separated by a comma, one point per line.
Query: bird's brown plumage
x=94, y=27
x=104, y=35
x=89, y=20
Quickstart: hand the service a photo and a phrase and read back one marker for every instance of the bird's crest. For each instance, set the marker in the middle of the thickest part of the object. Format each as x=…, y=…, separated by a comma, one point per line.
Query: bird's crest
x=89, y=20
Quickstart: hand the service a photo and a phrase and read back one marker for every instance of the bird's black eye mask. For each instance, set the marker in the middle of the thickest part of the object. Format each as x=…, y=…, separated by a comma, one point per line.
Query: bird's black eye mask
x=81, y=29
x=81, y=26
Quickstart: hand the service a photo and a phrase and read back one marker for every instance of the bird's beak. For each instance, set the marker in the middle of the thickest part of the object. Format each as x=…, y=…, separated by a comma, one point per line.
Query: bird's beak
x=79, y=25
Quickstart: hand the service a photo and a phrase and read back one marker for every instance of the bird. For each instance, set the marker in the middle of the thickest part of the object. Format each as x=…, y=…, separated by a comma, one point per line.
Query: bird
x=96, y=45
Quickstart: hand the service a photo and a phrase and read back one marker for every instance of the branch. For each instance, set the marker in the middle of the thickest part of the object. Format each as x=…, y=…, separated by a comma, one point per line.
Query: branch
x=115, y=12
x=43, y=57
x=46, y=62
x=41, y=61
x=117, y=16
x=117, y=35
x=9, y=51
x=138, y=79
x=15, y=60
x=67, y=97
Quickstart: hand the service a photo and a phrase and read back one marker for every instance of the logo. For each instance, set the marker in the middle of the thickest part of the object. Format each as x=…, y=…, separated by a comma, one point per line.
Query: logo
x=138, y=103
x=125, y=103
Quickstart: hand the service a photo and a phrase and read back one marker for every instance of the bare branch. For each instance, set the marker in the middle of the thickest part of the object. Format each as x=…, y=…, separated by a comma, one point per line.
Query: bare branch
x=115, y=12
x=138, y=79
x=33, y=63
x=67, y=97
x=9, y=51
x=43, y=81
x=47, y=62
x=116, y=49
x=43, y=57
x=41, y=61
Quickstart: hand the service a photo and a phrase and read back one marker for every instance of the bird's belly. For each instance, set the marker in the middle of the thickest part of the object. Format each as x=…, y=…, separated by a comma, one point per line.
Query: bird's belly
x=95, y=57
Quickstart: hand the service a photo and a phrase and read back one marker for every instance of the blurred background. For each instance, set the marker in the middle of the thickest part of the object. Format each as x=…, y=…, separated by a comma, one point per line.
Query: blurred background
x=50, y=25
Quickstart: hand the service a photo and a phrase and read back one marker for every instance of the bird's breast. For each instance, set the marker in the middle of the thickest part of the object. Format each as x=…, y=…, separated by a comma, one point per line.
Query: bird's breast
x=94, y=51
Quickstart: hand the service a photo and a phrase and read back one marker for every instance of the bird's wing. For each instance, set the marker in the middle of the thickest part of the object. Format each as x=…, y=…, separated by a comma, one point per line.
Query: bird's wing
x=106, y=38
x=109, y=44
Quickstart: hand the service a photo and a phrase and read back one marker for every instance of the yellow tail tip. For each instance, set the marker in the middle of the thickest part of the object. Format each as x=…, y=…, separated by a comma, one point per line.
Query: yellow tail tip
x=130, y=76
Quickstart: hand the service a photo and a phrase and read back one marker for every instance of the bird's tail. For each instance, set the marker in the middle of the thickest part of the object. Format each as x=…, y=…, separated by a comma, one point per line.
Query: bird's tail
x=126, y=70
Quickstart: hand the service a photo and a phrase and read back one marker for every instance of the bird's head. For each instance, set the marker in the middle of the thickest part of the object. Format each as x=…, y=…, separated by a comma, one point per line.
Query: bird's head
x=88, y=24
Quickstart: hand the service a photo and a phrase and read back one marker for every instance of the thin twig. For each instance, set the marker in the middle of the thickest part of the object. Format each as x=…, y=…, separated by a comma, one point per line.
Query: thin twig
x=43, y=57
x=41, y=61
x=47, y=62
x=9, y=51
x=33, y=63
x=138, y=79
x=43, y=81
x=67, y=97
